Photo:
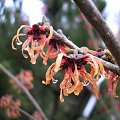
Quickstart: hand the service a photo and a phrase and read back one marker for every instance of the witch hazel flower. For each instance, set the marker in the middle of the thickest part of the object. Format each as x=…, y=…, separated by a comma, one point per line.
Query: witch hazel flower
x=74, y=67
x=55, y=46
x=37, y=36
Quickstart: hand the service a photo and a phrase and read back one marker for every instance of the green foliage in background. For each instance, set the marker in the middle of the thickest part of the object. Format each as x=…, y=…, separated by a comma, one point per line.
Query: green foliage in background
x=62, y=14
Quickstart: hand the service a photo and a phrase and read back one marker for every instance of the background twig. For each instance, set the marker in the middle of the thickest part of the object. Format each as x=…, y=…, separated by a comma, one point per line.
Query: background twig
x=26, y=114
x=28, y=94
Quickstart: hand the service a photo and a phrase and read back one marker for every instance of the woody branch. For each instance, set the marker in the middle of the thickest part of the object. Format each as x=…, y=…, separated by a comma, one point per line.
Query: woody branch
x=58, y=34
x=92, y=14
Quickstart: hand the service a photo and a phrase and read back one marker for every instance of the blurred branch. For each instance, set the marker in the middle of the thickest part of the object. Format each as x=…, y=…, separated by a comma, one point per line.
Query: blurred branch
x=28, y=94
x=26, y=114
x=114, y=68
x=90, y=31
x=95, y=18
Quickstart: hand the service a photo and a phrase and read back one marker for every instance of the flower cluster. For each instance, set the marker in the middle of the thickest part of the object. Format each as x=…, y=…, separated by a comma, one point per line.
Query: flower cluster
x=25, y=77
x=74, y=66
x=10, y=106
x=41, y=41
x=37, y=38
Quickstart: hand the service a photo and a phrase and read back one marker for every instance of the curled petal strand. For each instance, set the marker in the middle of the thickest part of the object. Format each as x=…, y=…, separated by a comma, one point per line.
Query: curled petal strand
x=65, y=92
x=33, y=58
x=51, y=32
x=96, y=67
x=61, y=96
x=22, y=26
x=87, y=76
x=27, y=42
x=25, y=55
x=77, y=84
x=14, y=38
x=65, y=80
x=102, y=71
x=49, y=74
x=58, y=62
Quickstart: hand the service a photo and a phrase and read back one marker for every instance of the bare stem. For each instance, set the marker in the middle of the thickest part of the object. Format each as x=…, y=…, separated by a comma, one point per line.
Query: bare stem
x=26, y=114
x=28, y=94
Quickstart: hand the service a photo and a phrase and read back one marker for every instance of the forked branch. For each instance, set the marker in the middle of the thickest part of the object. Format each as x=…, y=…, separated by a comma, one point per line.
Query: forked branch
x=92, y=14
x=59, y=34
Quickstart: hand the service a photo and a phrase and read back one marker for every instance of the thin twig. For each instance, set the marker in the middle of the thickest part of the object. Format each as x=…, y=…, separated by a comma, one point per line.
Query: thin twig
x=26, y=114
x=28, y=94
x=92, y=14
x=114, y=68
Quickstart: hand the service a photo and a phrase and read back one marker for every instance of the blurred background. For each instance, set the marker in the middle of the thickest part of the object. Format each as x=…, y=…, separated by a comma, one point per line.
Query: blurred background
x=65, y=15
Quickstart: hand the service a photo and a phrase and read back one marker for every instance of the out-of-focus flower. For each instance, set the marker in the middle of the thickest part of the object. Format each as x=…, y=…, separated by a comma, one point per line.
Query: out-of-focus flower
x=113, y=80
x=25, y=77
x=37, y=36
x=74, y=66
x=55, y=47
x=37, y=115
x=10, y=106
x=93, y=43
x=5, y=101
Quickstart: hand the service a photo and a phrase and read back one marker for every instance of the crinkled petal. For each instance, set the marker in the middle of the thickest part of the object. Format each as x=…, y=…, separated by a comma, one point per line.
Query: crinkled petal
x=49, y=51
x=95, y=65
x=87, y=76
x=49, y=74
x=77, y=84
x=65, y=80
x=27, y=42
x=58, y=62
x=61, y=96
x=33, y=58
x=101, y=67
